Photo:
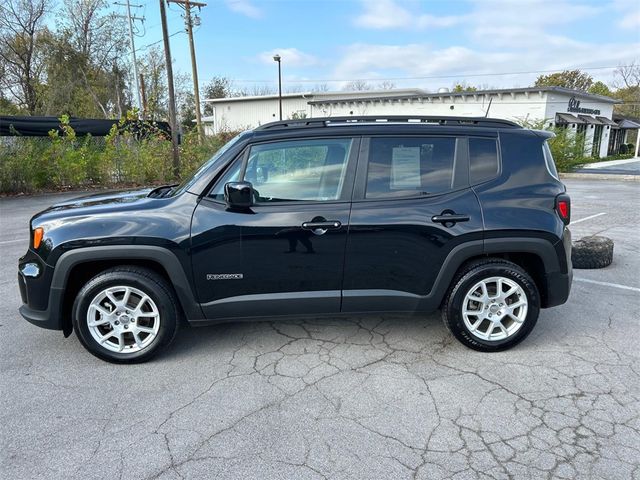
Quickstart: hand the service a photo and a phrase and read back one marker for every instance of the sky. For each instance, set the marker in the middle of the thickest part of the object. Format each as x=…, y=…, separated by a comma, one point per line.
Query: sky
x=426, y=44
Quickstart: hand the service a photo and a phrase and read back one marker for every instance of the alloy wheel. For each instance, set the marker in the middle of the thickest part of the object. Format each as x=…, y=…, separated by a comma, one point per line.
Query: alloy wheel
x=123, y=319
x=494, y=308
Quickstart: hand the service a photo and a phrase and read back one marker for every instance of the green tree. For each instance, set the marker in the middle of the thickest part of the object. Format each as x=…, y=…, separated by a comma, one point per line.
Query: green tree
x=573, y=79
x=218, y=87
x=600, y=88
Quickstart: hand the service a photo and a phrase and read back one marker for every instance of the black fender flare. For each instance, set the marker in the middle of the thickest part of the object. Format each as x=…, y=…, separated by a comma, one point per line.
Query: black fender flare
x=162, y=256
x=464, y=252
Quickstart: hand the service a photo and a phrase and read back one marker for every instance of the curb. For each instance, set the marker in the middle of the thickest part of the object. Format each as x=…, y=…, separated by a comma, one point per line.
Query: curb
x=601, y=176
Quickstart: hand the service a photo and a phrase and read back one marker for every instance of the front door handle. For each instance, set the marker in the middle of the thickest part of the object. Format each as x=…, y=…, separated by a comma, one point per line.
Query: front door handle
x=321, y=227
x=449, y=218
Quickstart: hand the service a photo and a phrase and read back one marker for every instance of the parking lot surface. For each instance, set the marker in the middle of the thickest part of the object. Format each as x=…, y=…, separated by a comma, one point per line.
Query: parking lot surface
x=380, y=397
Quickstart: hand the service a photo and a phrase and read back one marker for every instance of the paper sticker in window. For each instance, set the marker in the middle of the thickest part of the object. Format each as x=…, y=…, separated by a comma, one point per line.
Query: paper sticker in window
x=405, y=168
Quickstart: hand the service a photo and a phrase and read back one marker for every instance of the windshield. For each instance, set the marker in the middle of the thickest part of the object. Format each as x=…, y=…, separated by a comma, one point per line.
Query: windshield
x=205, y=166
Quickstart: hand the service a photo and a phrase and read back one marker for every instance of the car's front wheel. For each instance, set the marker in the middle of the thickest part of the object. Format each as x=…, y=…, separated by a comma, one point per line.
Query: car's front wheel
x=126, y=315
x=492, y=305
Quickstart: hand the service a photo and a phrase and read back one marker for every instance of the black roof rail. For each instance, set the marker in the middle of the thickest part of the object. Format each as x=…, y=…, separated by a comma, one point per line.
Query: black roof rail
x=421, y=119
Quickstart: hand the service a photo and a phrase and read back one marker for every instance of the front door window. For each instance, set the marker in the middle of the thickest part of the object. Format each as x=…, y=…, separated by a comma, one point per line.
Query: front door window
x=304, y=170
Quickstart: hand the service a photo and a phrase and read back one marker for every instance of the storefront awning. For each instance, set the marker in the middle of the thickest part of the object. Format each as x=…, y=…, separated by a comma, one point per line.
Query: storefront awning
x=607, y=121
x=566, y=118
x=628, y=124
x=590, y=120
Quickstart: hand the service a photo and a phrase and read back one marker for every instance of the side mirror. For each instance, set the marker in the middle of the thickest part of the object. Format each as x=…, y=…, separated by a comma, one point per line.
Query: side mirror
x=238, y=195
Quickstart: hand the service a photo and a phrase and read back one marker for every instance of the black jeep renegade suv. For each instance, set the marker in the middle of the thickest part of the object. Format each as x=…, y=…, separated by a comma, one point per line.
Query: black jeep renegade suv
x=337, y=216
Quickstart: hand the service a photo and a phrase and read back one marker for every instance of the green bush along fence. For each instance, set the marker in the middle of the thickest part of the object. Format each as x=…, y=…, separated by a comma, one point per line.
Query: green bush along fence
x=122, y=158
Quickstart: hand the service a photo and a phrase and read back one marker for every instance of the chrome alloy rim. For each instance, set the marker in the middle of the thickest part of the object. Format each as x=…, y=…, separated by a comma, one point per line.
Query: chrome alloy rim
x=494, y=308
x=123, y=319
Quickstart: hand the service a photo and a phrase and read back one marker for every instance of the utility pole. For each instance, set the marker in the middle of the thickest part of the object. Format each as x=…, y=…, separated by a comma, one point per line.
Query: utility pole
x=130, y=20
x=144, y=97
x=172, y=98
x=187, y=4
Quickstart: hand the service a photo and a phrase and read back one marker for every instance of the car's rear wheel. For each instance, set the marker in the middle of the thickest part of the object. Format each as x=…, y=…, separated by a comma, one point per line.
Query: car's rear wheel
x=492, y=305
x=126, y=315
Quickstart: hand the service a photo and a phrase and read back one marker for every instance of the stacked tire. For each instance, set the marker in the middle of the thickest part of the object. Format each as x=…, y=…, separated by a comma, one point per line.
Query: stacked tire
x=592, y=252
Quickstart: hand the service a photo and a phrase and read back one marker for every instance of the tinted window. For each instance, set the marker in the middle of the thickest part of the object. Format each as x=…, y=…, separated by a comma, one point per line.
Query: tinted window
x=310, y=170
x=400, y=167
x=483, y=158
x=548, y=158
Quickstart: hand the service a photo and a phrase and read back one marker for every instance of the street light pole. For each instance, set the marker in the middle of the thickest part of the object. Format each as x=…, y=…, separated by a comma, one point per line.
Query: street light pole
x=277, y=58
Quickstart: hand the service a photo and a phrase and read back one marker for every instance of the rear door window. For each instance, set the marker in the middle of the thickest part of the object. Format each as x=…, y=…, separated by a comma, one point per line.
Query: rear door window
x=410, y=166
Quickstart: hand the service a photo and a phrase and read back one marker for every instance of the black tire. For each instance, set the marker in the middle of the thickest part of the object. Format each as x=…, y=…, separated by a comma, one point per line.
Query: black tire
x=592, y=252
x=147, y=282
x=466, y=279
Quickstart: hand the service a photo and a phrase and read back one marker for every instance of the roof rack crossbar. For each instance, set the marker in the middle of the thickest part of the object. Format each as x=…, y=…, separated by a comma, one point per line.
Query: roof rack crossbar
x=380, y=119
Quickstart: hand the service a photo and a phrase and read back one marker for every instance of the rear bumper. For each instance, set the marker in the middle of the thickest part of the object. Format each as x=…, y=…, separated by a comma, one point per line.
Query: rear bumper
x=558, y=288
x=559, y=283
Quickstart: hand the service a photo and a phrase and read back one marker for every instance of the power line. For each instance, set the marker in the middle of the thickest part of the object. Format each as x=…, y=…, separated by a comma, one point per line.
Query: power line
x=429, y=77
x=160, y=41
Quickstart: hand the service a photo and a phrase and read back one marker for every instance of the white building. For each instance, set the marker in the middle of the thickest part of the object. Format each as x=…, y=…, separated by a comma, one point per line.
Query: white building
x=238, y=113
x=579, y=111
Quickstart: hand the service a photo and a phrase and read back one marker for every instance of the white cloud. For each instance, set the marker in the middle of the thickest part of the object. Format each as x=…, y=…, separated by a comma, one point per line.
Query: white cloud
x=629, y=13
x=290, y=57
x=531, y=14
x=245, y=7
x=484, y=64
x=387, y=14
x=631, y=20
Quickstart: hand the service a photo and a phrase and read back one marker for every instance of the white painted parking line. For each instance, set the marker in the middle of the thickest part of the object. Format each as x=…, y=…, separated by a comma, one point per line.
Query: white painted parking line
x=607, y=284
x=7, y=242
x=573, y=222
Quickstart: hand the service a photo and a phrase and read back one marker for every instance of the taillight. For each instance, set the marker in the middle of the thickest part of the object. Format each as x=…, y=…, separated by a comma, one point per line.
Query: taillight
x=38, y=233
x=563, y=207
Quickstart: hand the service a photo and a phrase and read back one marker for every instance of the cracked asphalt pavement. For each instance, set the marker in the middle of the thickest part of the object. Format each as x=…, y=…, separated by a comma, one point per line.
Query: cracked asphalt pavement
x=375, y=398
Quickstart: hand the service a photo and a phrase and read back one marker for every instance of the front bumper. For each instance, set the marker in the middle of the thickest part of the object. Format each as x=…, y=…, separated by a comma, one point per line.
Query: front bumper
x=42, y=318
x=41, y=303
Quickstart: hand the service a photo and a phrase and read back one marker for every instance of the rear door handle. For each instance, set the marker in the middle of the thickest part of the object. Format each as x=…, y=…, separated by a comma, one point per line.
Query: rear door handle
x=449, y=218
x=327, y=225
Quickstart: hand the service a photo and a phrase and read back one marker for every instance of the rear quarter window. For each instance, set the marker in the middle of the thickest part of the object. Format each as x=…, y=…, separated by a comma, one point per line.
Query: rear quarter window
x=483, y=159
x=548, y=159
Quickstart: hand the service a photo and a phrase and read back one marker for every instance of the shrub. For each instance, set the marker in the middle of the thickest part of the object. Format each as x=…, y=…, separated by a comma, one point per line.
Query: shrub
x=567, y=146
x=133, y=153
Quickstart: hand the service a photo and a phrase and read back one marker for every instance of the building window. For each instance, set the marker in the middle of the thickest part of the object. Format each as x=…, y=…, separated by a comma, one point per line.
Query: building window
x=597, y=141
